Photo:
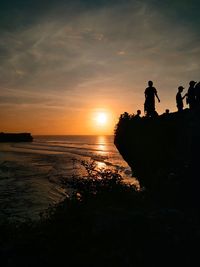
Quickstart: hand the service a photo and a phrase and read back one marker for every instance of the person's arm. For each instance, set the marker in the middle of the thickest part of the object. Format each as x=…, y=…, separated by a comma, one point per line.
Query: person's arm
x=157, y=97
x=155, y=92
x=184, y=96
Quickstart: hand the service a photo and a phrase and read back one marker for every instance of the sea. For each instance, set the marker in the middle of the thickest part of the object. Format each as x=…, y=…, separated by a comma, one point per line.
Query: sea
x=31, y=174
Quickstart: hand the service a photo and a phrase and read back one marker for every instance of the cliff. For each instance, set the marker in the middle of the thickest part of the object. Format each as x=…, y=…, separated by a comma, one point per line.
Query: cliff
x=16, y=137
x=160, y=149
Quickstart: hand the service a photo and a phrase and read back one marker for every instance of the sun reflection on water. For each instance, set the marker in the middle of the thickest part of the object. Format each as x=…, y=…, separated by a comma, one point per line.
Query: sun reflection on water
x=102, y=151
x=101, y=143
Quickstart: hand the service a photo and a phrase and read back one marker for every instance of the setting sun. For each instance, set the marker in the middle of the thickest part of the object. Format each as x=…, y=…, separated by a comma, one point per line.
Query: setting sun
x=102, y=121
x=101, y=118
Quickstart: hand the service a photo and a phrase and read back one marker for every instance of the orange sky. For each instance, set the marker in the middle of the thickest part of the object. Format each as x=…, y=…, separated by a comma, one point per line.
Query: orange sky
x=64, y=63
x=62, y=120
x=77, y=118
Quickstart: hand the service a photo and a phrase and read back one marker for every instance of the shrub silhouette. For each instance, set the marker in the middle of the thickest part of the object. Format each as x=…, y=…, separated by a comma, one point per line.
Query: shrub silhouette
x=104, y=223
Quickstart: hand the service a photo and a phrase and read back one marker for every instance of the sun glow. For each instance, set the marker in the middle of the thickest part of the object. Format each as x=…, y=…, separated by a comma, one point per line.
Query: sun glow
x=101, y=121
x=101, y=118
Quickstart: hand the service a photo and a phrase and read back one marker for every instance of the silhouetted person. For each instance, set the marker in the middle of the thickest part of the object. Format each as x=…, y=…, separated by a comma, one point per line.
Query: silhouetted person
x=149, y=105
x=197, y=93
x=191, y=100
x=179, y=98
x=138, y=114
x=165, y=114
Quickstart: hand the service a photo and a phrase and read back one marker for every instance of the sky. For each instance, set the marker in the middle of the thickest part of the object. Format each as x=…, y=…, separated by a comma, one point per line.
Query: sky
x=64, y=62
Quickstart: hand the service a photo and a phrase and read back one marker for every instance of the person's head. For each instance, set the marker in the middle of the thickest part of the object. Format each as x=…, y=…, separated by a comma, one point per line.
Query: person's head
x=150, y=83
x=167, y=111
x=138, y=112
x=192, y=83
x=180, y=89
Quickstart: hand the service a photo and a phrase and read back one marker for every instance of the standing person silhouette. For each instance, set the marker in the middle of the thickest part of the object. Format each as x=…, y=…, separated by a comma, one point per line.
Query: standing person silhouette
x=179, y=98
x=149, y=105
x=191, y=99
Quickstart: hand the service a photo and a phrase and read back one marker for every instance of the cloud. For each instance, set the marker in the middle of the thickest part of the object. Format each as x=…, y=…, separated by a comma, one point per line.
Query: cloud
x=80, y=49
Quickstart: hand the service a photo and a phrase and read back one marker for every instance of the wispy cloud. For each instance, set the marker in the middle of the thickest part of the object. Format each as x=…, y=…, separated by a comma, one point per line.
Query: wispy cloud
x=74, y=51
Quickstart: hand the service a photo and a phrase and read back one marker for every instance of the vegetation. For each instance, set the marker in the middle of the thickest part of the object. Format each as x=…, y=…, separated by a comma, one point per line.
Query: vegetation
x=105, y=222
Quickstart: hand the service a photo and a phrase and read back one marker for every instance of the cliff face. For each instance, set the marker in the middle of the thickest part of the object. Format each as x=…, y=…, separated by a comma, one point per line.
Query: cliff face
x=161, y=148
x=16, y=137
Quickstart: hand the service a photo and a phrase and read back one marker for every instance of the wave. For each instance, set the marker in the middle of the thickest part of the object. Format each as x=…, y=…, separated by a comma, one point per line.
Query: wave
x=94, y=148
x=62, y=149
x=102, y=156
x=74, y=146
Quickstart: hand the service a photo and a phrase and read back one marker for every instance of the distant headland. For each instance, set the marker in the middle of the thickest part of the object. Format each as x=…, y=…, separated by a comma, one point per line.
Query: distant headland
x=15, y=137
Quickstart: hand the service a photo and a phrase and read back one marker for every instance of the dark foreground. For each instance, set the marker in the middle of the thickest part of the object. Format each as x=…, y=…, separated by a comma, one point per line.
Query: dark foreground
x=109, y=223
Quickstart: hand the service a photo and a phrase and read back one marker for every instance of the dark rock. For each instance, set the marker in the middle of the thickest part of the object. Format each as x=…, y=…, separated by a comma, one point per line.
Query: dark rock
x=15, y=137
x=156, y=148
